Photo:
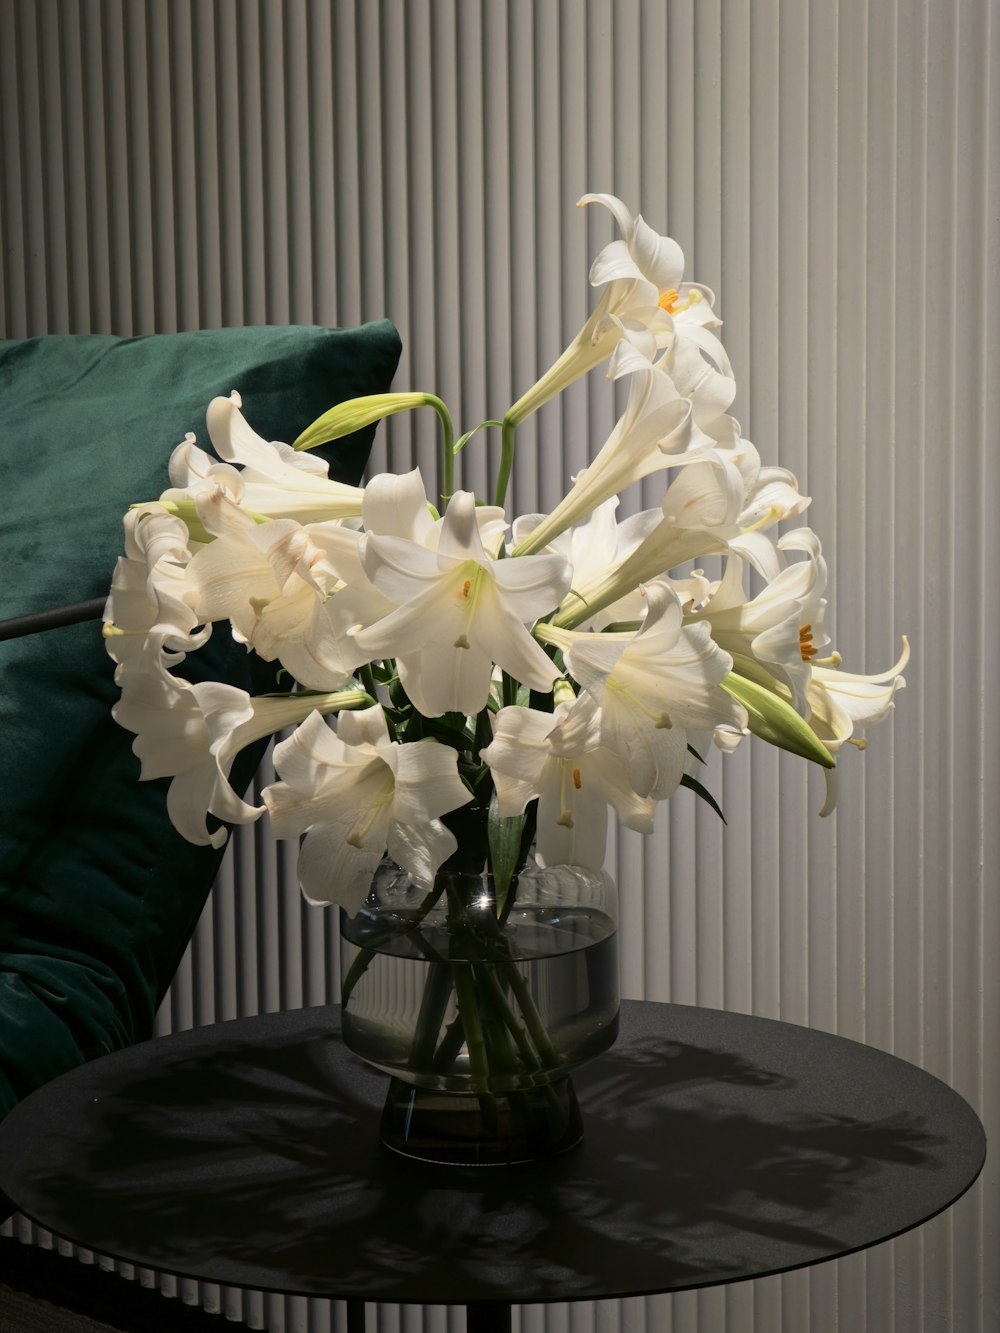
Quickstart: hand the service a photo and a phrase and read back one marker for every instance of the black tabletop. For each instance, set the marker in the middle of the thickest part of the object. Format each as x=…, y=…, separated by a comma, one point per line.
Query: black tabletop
x=717, y=1147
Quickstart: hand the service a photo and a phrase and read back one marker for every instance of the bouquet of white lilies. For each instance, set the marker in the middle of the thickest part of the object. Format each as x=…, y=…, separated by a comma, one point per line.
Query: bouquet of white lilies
x=456, y=680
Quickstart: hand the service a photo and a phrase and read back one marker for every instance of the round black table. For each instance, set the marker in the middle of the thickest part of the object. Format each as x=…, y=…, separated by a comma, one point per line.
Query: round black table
x=717, y=1147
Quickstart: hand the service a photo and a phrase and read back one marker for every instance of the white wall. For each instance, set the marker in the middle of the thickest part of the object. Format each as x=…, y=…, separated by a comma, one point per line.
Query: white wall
x=831, y=170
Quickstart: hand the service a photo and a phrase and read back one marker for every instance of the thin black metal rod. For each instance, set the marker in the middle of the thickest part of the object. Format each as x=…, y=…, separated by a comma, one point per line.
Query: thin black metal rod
x=18, y=626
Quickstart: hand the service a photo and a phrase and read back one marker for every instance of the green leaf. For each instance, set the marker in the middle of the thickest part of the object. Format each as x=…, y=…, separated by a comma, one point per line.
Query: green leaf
x=505, y=849
x=775, y=721
x=398, y=696
x=463, y=441
x=410, y=728
x=453, y=729
x=694, y=785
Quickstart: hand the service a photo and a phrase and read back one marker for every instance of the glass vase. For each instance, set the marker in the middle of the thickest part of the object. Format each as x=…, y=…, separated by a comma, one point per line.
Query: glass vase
x=480, y=1007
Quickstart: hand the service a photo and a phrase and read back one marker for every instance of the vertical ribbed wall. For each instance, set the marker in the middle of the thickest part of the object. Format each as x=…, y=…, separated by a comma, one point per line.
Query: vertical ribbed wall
x=831, y=170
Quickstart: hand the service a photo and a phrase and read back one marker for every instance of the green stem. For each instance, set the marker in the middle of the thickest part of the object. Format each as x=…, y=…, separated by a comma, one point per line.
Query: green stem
x=367, y=677
x=448, y=443
x=468, y=1006
x=497, y=999
x=506, y=461
x=356, y=971
x=522, y=993
x=433, y=1003
x=366, y=955
x=500, y=1053
x=508, y=690
x=450, y=1045
x=484, y=733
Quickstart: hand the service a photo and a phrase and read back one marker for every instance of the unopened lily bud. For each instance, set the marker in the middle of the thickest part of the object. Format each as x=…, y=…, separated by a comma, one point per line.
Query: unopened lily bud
x=356, y=413
x=776, y=721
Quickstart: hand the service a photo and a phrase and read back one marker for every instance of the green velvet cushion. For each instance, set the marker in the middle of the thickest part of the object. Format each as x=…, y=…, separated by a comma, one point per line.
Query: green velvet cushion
x=98, y=894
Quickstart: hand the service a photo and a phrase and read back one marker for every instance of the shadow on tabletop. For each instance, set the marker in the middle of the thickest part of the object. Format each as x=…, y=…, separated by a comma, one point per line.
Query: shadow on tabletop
x=268, y=1156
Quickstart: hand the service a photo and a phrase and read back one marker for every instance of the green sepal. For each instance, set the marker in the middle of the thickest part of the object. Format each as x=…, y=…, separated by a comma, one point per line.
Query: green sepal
x=775, y=721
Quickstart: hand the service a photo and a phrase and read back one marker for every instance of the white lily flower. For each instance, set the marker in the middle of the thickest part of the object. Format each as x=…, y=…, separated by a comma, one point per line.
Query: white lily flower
x=641, y=255
x=396, y=506
x=150, y=622
x=683, y=313
x=653, y=687
x=459, y=612
x=637, y=272
x=294, y=592
x=843, y=703
x=782, y=627
x=558, y=758
x=654, y=430
x=593, y=547
x=771, y=495
x=193, y=733
x=275, y=480
x=274, y=584
x=700, y=513
x=709, y=385
x=355, y=793
x=693, y=358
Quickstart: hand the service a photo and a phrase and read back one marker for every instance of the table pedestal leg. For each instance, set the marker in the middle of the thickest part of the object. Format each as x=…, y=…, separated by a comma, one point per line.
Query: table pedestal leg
x=493, y=1317
x=355, y=1317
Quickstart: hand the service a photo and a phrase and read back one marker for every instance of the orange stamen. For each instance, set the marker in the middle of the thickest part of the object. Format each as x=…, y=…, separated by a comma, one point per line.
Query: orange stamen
x=577, y=780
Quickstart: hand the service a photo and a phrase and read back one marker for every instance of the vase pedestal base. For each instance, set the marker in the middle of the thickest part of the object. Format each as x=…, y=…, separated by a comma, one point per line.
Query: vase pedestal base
x=497, y=1129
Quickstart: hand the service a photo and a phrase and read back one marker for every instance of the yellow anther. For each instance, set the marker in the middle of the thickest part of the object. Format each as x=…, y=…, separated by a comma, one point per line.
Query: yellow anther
x=470, y=592
x=577, y=780
x=671, y=302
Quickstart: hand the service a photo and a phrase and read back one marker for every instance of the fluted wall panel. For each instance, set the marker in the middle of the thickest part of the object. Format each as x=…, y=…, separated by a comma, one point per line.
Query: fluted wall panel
x=830, y=169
